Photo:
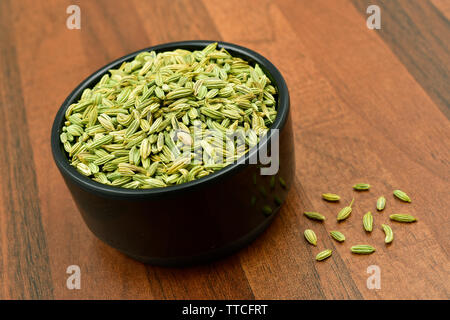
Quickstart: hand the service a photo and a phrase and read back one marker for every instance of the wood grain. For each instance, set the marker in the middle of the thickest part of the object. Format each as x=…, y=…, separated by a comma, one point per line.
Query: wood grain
x=424, y=48
x=368, y=106
x=25, y=261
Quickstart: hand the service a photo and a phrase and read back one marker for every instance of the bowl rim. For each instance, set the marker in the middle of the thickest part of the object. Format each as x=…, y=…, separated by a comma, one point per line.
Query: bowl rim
x=89, y=185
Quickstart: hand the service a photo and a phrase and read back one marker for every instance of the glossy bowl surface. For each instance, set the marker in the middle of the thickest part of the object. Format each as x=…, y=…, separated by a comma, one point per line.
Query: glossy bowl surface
x=192, y=222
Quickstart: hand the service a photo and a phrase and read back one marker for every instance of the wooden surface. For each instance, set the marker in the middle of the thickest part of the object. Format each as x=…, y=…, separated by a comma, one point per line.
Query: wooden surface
x=368, y=106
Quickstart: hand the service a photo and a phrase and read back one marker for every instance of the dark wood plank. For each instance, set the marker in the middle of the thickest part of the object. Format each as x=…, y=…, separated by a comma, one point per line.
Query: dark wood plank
x=443, y=6
x=419, y=35
x=25, y=261
x=223, y=279
x=181, y=20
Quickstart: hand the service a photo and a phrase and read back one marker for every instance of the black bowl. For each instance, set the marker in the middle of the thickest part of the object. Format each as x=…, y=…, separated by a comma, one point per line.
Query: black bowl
x=192, y=222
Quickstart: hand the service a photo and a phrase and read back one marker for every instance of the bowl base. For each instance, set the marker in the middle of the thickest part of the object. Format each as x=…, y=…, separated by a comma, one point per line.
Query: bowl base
x=209, y=256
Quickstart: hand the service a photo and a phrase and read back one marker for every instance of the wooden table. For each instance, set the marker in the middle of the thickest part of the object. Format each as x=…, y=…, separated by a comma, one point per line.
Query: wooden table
x=368, y=105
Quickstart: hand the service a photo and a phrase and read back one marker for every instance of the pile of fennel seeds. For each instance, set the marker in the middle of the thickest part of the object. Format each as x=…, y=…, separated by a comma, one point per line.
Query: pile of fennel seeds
x=367, y=221
x=168, y=118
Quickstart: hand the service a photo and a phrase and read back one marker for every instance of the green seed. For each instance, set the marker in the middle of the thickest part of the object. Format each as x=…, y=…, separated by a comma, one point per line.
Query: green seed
x=263, y=191
x=345, y=212
x=402, y=217
x=277, y=200
x=272, y=182
x=310, y=236
x=323, y=255
x=362, y=249
x=368, y=221
x=267, y=210
x=330, y=197
x=314, y=216
x=338, y=236
x=381, y=203
x=282, y=182
x=389, y=233
x=402, y=195
x=84, y=169
x=361, y=186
